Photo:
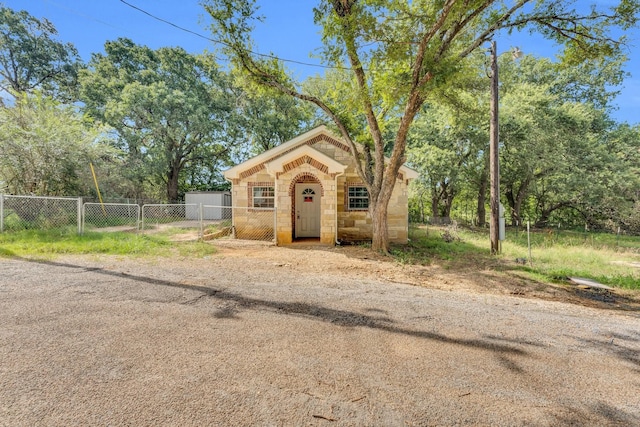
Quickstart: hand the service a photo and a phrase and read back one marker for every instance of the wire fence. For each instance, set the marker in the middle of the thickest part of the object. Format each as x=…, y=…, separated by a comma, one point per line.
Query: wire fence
x=163, y=216
x=34, y=212
x=213, y=222
x=208, y=221
x=110, y=217
x=217, y=222
x=253, y=224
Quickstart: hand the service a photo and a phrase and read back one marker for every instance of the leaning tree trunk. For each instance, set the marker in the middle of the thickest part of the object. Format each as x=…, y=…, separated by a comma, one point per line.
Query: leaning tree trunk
x=511, y=201
x=516, y=219
x=421, y=206
x=516, y=200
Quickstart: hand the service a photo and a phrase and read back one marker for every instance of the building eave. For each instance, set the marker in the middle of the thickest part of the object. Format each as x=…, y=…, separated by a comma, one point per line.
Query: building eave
x=234, y=172
x=277, y=165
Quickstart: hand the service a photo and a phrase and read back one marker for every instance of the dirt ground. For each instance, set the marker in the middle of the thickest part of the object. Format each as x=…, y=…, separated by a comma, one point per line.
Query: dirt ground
x=308, y=335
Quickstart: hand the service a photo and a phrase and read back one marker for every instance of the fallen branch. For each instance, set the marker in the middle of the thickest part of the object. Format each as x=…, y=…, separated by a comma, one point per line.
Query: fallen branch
x=323, y=417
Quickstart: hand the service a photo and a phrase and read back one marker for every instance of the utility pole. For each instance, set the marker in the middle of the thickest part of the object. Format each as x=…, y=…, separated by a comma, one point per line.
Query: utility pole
x=494, y=157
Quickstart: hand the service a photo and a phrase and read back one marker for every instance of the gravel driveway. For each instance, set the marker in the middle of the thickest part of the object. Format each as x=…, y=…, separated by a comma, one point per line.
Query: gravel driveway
x=253, y=339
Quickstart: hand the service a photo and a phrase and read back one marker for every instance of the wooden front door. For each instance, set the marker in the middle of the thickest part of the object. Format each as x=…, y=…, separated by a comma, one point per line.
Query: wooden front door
x=307, y=214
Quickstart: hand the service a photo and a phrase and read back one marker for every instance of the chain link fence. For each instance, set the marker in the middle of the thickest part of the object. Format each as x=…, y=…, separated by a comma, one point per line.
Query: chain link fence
x=217, y=222
x=163, y=216
x=110, y=217
x=238, y=223
x=211, y=222
x=35, y=212
x=254, y=224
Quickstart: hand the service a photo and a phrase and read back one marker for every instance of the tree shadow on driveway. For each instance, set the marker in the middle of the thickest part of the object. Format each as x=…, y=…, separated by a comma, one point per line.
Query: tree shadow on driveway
x=337, y=317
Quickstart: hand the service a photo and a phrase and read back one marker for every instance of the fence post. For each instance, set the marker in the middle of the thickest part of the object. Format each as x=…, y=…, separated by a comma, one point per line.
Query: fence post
x=1, y=212
x=142, y=219
x=84, y=216
x=275, y=225
x=233, y=221
x=201, y=218
x=529, y=242
x=79, y=213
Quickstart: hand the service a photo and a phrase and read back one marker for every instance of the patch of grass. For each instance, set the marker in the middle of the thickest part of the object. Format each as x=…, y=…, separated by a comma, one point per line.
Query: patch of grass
x=603, y=257
x=152, y=222
x=110, y=222
x=556, y=255
x=213, y=228
x=547, y=238
x=427, y=244
x=166, y=233
x=47, y=243
x=194, y=249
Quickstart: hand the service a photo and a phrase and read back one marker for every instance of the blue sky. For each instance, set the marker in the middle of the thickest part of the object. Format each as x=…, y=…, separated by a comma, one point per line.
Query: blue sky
x=288, y=32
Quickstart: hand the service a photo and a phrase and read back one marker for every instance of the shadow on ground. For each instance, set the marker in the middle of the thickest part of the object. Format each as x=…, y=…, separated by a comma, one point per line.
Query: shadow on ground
x=468, y=263
x=233, y=303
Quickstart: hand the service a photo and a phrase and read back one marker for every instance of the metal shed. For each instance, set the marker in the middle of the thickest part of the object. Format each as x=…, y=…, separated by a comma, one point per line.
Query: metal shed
x=213, y=203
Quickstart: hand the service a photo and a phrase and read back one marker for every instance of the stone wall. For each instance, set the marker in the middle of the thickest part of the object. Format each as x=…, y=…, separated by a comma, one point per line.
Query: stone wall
x=249, y=223
x=350, y=225
x=285, y=193
x=355, y=226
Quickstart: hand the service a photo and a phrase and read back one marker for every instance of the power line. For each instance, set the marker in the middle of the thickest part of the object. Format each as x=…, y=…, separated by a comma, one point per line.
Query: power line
x=82, y=15
x=292, y=61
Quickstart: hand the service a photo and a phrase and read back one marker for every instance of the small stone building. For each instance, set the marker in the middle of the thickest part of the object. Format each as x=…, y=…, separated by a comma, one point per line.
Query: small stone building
x=308, y=187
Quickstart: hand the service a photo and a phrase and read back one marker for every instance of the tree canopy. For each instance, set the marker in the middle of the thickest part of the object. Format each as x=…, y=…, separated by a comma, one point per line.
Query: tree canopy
x=46, y=148
x=396, y=54
x=31, y=57
x=171, y=110
x=404, y=80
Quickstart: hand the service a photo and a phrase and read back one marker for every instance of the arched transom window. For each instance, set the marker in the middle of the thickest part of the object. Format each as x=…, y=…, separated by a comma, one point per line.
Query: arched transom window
x=308, y=194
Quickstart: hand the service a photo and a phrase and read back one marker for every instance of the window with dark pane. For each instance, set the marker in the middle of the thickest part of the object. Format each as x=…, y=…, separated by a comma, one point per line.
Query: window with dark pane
x=358, y=198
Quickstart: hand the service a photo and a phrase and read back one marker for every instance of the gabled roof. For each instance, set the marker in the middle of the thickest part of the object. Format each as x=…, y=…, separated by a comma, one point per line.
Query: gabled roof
x=271, y=154
x=290, y=151
x=276, y=165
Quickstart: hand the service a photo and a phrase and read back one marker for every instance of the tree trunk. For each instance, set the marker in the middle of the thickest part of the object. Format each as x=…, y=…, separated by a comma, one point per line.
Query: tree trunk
x=435, y=199
x=543, y=220
x=172, y=184
x=515, y=201
x=446, y=209
x=482, y=198
x=516, y=217
x=512, y=205
x=380, y=237
x=448, y=197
